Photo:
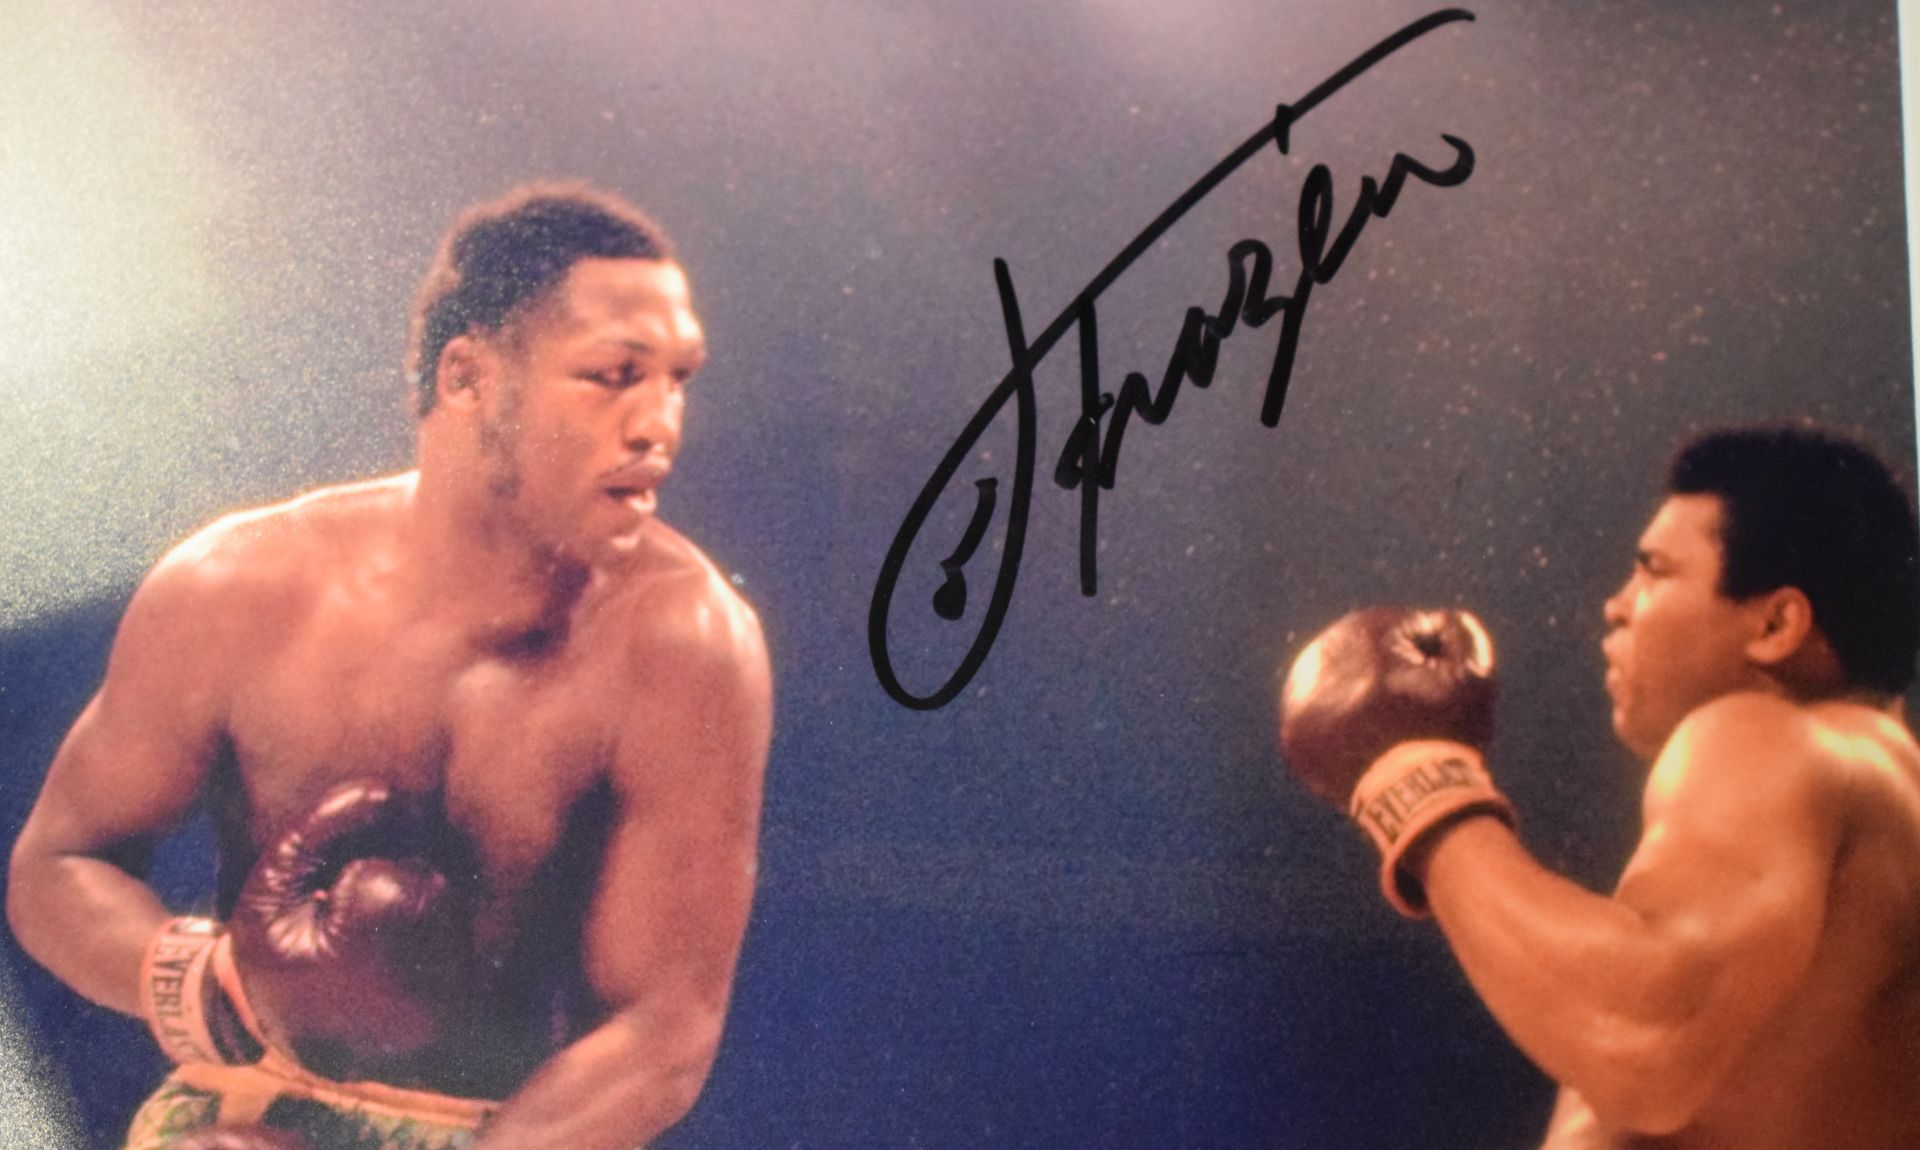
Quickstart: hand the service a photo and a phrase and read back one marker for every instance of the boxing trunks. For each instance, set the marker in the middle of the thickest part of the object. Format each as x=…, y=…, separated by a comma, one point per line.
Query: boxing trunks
x=278, y=1092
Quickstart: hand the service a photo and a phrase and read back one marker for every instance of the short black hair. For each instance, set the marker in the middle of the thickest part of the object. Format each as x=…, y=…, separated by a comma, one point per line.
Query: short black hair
x=504, y=255
x=1810, y=509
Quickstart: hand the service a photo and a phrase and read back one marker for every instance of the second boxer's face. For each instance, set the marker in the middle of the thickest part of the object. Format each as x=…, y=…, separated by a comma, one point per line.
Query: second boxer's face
x=1673, y=640
x=587, y=420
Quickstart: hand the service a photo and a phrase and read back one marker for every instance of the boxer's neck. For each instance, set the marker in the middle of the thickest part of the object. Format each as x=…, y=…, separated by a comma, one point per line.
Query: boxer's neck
x=490, y=580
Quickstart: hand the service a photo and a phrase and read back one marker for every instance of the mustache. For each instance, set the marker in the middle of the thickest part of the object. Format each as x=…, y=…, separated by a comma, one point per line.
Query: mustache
x=649, y=470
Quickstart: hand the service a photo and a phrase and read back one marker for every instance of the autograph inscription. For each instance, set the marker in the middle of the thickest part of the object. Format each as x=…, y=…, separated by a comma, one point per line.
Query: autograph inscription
x=1089, y=461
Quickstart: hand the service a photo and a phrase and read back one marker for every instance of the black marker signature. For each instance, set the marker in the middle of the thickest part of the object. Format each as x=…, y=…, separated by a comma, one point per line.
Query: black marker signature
x=1089, y=461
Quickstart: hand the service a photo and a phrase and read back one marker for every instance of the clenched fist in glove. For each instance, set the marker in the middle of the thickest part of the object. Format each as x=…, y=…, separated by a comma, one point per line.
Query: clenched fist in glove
x=1387, y=712
x=349, y=936
x=346, y=948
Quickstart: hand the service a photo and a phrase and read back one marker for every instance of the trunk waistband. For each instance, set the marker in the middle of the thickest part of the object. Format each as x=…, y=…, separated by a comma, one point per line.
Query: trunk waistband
x=247, y=1091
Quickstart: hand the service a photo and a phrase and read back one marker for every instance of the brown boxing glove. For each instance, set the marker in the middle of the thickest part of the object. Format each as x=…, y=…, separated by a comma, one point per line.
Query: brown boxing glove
x=1387, y=713
x=351, y=935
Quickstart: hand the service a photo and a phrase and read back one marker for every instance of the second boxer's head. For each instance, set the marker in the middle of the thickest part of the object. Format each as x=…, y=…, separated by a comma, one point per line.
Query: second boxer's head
x=1783, y=558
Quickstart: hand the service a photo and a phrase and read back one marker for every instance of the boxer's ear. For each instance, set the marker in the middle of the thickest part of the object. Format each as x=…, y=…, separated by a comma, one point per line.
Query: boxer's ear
x=465, y=363
x=1782, y=625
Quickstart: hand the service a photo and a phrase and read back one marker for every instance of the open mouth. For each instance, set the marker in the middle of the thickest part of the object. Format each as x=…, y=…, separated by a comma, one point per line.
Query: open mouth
x=640, y=500
x=637, y=483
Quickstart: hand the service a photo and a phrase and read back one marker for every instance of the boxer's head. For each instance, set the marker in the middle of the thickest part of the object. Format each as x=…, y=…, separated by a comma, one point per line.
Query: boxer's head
x=553, y=339
x=1782, y=558
x=501, y=257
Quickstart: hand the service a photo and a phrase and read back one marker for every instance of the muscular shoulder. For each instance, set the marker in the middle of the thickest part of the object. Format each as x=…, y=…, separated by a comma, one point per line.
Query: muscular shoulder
x=697, y=665
x=246, y=573
x=1761, y=750
x=683, y=608
x=1747, y=716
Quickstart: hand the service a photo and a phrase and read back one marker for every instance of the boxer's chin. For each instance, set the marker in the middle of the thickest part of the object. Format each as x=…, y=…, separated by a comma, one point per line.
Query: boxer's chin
x=621, y=535
x=624, y=545
x=1621, y=714
x=1631, y=736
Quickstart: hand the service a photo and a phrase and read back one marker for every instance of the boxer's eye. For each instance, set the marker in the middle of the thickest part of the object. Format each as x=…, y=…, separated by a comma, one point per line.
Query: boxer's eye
x=619, y=378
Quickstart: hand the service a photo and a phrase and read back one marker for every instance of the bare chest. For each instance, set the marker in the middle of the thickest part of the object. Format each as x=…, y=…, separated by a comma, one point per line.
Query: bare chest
x=509, y=745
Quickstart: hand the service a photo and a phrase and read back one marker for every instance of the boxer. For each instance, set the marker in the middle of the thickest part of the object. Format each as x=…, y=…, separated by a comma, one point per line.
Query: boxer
x=1753, y=982
x=482, y=744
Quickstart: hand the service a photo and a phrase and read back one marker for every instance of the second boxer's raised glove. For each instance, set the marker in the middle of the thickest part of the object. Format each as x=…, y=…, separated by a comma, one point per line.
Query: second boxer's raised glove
x=349, y=936
x=1387, y=713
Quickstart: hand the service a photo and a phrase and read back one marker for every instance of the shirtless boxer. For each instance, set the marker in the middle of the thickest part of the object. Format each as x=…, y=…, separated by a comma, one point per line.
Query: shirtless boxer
x=500, y=670
x=1754, y=981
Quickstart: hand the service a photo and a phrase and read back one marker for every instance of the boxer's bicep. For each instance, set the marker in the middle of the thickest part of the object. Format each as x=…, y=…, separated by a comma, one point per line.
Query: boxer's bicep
x=1743, y=826
x=127, y=772
x=1643, y=1001
x=665, y=926
x=1743, y=821
x=132, y=765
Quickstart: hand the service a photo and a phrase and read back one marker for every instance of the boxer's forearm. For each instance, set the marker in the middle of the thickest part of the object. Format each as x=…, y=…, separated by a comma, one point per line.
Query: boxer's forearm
x=84, y=919
x=1596, y=996
x=617, y=1087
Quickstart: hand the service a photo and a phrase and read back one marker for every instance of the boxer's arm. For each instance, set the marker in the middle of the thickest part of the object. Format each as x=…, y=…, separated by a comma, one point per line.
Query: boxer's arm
x=127, y=773
x=666, y=922
x=1644, y=1001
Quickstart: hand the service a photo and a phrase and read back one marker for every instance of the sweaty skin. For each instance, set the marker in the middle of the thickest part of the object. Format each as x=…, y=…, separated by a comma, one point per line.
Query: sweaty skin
x=1754, y=980
x=509, y=630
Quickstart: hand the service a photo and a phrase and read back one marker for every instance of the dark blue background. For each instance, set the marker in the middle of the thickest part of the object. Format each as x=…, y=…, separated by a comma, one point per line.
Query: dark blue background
x=1075, y=908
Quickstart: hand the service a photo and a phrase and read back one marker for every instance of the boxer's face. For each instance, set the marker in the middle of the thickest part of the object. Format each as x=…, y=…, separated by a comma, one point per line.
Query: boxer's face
x=1673, y=640
x=587, y=419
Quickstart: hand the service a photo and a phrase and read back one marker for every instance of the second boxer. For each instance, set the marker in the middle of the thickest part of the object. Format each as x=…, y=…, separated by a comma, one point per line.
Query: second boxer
x=1752, y=981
